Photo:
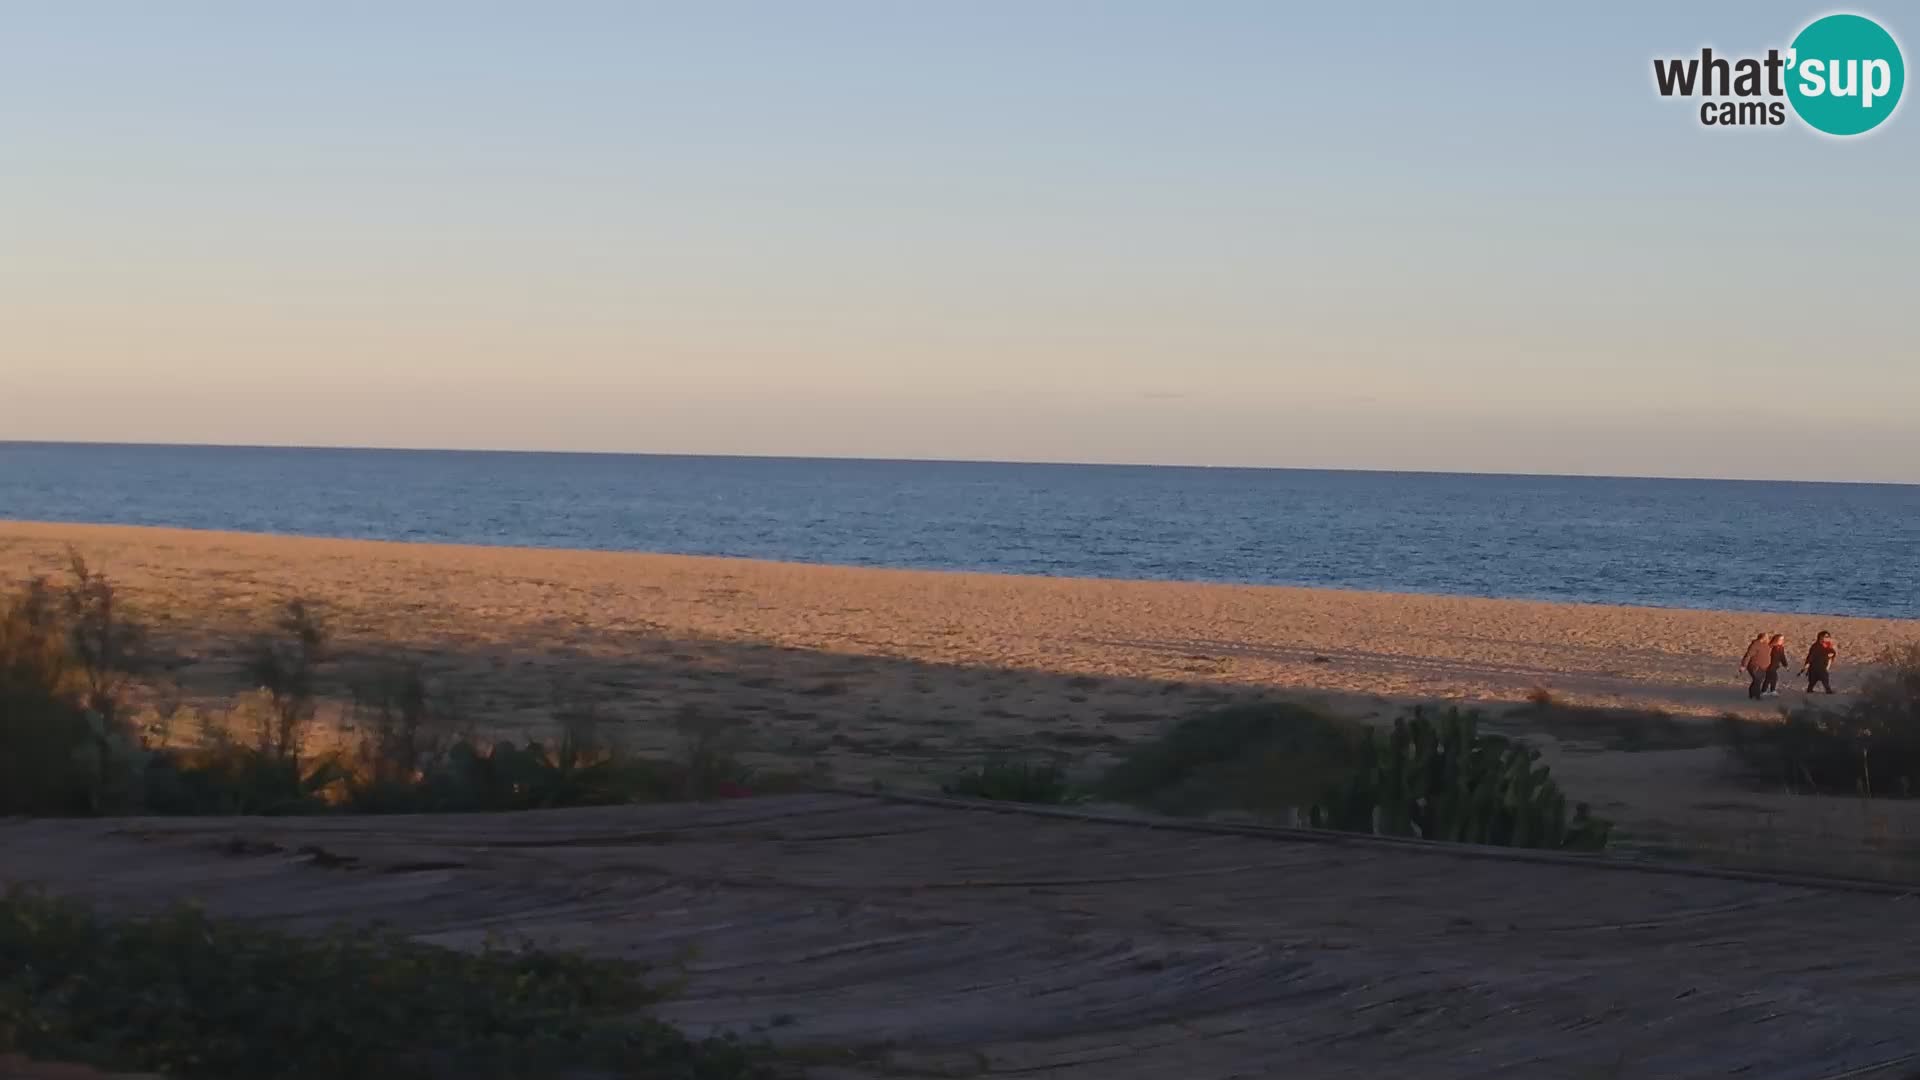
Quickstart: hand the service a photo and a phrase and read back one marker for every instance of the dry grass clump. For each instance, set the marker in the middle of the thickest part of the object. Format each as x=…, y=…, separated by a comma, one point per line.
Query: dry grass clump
x=68, y=744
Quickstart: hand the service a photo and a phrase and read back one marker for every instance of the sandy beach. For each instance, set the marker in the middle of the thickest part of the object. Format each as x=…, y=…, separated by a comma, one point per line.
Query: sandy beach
x=591, y=620
x=899, y=676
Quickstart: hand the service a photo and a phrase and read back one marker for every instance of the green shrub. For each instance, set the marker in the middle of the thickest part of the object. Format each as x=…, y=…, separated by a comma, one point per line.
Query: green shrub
x=195, y=997
x=232, y=779
x=65, y=747
x=43, y=724
x=1890, y=696
x=285, y=664
x=1264, y=758
x=532, y=776
x=1869, y=747
x=468, y=777
x=1445, y=780
x=710, y=763
x=1005, y=780
x=102, y=639
x=405, y=726
x=578, y=769
x=65, y=750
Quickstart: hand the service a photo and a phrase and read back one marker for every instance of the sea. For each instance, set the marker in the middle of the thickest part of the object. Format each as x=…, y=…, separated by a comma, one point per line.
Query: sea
x=1841, y=549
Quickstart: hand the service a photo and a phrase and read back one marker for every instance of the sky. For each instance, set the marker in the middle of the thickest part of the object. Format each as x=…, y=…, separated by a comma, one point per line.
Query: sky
x=1400, y=236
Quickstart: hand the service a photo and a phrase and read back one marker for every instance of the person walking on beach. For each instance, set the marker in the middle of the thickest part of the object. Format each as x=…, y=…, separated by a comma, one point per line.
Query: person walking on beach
x=1776, y=661
x=1820, y=662
x=1754, y=663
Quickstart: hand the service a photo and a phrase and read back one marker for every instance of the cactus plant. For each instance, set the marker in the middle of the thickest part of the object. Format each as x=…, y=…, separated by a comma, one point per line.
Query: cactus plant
x=1445, y=780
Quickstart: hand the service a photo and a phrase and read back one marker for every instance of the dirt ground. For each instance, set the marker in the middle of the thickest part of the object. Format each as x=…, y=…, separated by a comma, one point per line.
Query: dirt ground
x=873, y=938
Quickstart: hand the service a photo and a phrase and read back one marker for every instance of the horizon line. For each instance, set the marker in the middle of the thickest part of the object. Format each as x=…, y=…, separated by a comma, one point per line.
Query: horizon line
x=360, y=448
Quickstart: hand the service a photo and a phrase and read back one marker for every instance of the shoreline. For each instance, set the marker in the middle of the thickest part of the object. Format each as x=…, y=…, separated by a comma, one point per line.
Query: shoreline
x=357, y=448
x=38, y=528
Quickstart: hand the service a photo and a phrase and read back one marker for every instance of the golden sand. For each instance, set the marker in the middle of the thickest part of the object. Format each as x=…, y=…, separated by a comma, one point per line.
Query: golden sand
x=600, y=621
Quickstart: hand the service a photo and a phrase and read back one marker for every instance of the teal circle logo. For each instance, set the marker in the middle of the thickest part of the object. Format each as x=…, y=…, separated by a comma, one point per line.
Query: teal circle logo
x=1845, y=74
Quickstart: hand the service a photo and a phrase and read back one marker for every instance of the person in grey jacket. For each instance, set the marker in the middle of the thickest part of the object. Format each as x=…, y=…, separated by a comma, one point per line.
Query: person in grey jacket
x=1754, y=663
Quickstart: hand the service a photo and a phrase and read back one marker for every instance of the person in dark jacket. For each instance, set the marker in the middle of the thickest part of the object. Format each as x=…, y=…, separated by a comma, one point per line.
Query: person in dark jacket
x=1819, y=663
x=1776, y=660
x=1754, y=663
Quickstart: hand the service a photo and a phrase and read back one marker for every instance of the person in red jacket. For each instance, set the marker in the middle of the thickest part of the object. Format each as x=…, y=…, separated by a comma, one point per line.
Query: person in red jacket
x=1819, y=663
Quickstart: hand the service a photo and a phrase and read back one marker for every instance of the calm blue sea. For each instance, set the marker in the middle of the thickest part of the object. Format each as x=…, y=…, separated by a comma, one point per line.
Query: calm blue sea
x=1815, y=548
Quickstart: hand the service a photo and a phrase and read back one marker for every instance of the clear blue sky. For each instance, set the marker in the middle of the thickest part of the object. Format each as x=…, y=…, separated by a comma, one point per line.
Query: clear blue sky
x=1459, y=236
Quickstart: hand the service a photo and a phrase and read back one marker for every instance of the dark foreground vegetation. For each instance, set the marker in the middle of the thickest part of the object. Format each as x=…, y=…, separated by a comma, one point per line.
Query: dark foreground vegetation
x=186, y=995
x=1013, y=780
x=1433, y=777
x=68, y=744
